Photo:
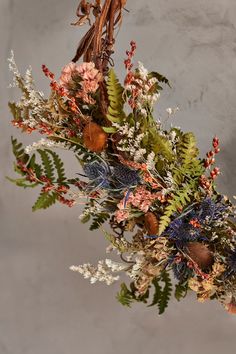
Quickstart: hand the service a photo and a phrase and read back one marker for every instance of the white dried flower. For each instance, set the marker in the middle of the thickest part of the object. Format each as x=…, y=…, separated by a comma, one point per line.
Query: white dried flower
x=143, y=72
x=102, y=272
x=151, y=161
x=172, y=111
x=43, y=144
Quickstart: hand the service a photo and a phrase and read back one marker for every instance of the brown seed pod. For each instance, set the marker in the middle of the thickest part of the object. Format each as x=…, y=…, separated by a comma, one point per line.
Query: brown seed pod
x=151, y=223
x=200, y=254
x=95, y=139
x=231, y=307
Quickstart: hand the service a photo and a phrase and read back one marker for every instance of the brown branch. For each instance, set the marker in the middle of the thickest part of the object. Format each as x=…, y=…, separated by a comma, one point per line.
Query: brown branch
x=97, y=44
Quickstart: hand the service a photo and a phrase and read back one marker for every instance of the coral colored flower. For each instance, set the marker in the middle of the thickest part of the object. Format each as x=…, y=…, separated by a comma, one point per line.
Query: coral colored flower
x=121, y=215
x=88, y=72
x=141, y=199
x=66, y=74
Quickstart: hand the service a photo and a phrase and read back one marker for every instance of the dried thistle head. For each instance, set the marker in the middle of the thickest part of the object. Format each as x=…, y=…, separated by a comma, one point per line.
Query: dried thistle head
x=95, y=139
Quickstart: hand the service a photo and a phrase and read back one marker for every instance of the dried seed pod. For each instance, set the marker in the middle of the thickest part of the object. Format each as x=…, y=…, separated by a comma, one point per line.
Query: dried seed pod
x=200, y=254
x=95, y=139
x=231, y=307
x=151, y=223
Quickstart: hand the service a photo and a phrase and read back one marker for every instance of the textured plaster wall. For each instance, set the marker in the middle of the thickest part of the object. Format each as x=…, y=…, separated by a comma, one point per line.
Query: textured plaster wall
x=44, y=308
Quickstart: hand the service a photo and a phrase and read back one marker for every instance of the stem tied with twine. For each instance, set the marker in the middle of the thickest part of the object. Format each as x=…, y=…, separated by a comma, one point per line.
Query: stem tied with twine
x=97, y=45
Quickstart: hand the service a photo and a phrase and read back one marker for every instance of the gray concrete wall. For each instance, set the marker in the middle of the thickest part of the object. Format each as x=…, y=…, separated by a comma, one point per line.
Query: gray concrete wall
x=46, y=309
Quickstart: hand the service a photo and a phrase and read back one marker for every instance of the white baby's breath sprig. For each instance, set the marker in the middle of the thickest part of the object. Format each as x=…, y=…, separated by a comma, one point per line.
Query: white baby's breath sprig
x=100, y=273
x=44, y=144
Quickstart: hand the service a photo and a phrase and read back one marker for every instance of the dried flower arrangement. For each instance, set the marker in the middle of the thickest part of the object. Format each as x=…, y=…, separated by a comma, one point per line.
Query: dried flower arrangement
x=137, y=176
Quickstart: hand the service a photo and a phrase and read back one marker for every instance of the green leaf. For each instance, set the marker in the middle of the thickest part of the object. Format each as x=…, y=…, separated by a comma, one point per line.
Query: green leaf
x=125, y=296
x=115, y=96
x=162, y=293
x=179, y=200
x=45, y=200
x=188, y=165
x=15, y=110
x=47, y=164
x=157, y=294
x=161, y=145
x=181, y=291
x=160, y=78
x=85, y=218
x=22, y=182
x=19, y=151
x=166, y=292
x=98, y=220
x=109, y=130
x=59, y=166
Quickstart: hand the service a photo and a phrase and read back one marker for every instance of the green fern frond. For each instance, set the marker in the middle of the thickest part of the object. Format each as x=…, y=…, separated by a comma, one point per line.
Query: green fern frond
x=98, y=220
x=22, y=182
x=45, y=200
x=59, y=166
x=181, y=290
x=166, y=292
x=160, y=145
x=160, y=78
x=125, y=296
x=157, y=292
x=179, y=200
x=15, y=111
x=47, y=164
x=162, y=293
x=116, y=101
x=188, y=163
x=19, y=151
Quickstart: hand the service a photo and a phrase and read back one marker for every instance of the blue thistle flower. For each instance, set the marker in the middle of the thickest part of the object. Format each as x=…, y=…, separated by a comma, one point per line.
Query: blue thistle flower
x=114, y=178
x=182, y=232
x=98, y=173
x=125, y=177
x=211, y=210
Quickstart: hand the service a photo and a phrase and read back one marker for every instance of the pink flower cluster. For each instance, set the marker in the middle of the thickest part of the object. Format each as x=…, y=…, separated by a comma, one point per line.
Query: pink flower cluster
x=141, y=199
x=90, y=79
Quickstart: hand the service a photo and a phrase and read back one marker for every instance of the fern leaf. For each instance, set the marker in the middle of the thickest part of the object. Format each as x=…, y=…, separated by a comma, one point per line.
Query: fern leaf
x=44, y=201
x=189, y=165
x=179, y=200
x=160, y=78
x=166, y=292
x=98, y=220
x=181, y=291
x=59, y=166
x=47, y=164
x=125, y=296
x=22, y=182
x=19, y=151
x=116, y=101
x=160, y=145
x=158, y=292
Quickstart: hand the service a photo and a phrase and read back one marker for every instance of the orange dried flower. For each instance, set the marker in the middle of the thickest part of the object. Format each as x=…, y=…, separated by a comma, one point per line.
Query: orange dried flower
x=231, y=307
x=151, y=223
x=95, y=139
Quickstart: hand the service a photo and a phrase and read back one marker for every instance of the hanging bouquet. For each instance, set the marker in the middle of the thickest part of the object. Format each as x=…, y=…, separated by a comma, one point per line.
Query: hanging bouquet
x=148, y=183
